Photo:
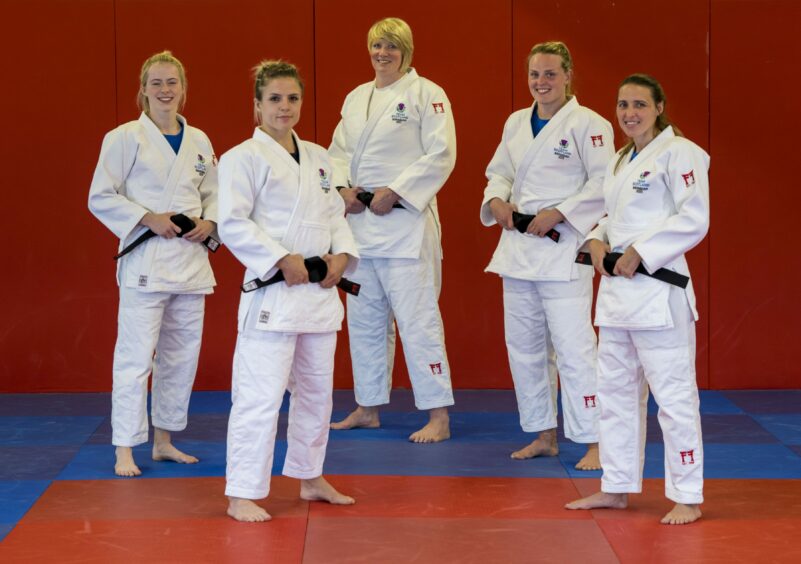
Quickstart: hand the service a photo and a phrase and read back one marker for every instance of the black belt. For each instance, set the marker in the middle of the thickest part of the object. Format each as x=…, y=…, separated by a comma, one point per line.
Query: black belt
x=186, y=225
x=662, y=274
x=521, y=221
x=317, y=268
x=367, y=197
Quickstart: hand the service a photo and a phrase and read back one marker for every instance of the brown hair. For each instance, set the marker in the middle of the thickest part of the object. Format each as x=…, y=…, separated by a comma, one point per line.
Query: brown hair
x=658, y=96
x=265, y=71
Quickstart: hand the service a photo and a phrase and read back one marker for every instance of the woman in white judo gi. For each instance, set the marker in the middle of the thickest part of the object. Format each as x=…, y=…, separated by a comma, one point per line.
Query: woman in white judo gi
x=397, y=142
x=149, y=170
x=277, y=207
x=657, y=202
x=550, y=163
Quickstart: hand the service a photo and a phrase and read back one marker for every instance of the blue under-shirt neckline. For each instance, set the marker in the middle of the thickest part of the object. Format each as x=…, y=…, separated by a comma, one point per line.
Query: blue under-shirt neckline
x=175, y=140
x=537, y=123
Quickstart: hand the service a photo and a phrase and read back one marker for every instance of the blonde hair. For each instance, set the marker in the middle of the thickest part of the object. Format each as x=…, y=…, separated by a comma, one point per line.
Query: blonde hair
x=658, y=96
x=164, y=57
x=396, y=31
x=554, y=48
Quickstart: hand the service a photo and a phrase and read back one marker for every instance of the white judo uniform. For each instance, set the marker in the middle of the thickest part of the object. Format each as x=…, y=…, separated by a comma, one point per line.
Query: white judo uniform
x=271, y=206
x=162, y=282
x=402, y=136
x=544, y=291
x=659, y=204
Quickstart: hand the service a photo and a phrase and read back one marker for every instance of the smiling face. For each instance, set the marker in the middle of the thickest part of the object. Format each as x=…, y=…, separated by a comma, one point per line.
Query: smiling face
x=637, y=113
x=163, y=88
x=279, y=107
x=386, y=58
x=548, y=81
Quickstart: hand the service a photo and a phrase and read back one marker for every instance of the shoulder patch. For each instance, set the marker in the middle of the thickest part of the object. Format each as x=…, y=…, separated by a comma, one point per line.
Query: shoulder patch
x=597, y=140
x=689, y=178
x=439, y=107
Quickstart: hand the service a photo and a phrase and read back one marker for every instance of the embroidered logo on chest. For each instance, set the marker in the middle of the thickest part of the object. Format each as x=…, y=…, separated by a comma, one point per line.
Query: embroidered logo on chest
x=325, y=182
x=400, y=113
x=689, y=178
x=200, y=166
x=562, y=150
x=264, y=316
x=641, y=184
x=597, y=140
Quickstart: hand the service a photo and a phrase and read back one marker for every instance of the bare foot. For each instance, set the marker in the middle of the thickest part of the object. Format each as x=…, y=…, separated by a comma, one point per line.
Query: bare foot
x=544, y=445
x=437, y=429
x=681, y=514
x=591, y=460
x=359, y=418
x=601, y=500
x=318, y=489
x=163, y=449
x=246, y=510
x=125, y=465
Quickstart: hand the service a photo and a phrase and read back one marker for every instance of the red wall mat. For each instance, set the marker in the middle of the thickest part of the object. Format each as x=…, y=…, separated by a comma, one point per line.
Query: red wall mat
x=473, y=68
x=755, y=275
x=59, y=96
x=605, y=50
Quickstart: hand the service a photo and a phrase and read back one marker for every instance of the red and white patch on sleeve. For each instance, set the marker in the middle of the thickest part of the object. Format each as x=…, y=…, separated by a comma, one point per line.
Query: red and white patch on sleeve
x=439, y=107
x=689, y=178
x=436, y=368
x=597, y=140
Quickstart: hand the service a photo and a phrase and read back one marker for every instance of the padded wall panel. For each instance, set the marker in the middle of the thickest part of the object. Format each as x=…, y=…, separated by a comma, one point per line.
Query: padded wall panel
x=465, y=48
x=608, y=41
x=755, y=275
x=219, y=41
x=58, y=96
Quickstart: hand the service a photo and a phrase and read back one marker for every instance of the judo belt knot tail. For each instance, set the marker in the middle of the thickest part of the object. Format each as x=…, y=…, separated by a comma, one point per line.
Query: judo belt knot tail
x=662, y=274
x=367, y=197
x=521, y=222
x=317, y=269
x=184, y=223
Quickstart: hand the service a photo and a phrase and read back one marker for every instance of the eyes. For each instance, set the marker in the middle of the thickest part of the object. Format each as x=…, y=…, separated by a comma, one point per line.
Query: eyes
x=637, y=104
x=550, y=75
x=292, y=98
x=388, y=46
x=157, y=82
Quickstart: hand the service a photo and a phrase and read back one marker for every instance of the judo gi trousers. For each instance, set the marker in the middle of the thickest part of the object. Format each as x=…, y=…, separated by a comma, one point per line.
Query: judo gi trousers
x=172, y=326
x=628, y=363
x=407, y=289
x=533, y=312
x=265, y=364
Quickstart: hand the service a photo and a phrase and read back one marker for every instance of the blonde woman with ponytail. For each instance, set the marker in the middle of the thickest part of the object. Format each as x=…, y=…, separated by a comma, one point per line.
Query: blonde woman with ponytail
x=550, y=164
x=149, y=171
x=656, y=194
x=278, y=207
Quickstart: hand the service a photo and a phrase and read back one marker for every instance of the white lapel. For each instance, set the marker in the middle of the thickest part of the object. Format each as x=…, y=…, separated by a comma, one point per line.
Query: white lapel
x=176, y=163
x=543, y=140
x=631, y=167
x=376, y=116
x=301, y=172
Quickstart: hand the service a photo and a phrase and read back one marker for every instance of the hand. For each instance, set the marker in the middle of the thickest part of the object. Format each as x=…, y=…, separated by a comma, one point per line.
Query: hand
x=628, y=263
x=544, y=221
x=294, y=270
x=598, y=250
x=352, y=203
x=383, y=200
x=502, y=212
x=203, y=228
x=160, y=224
x=336, y=266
